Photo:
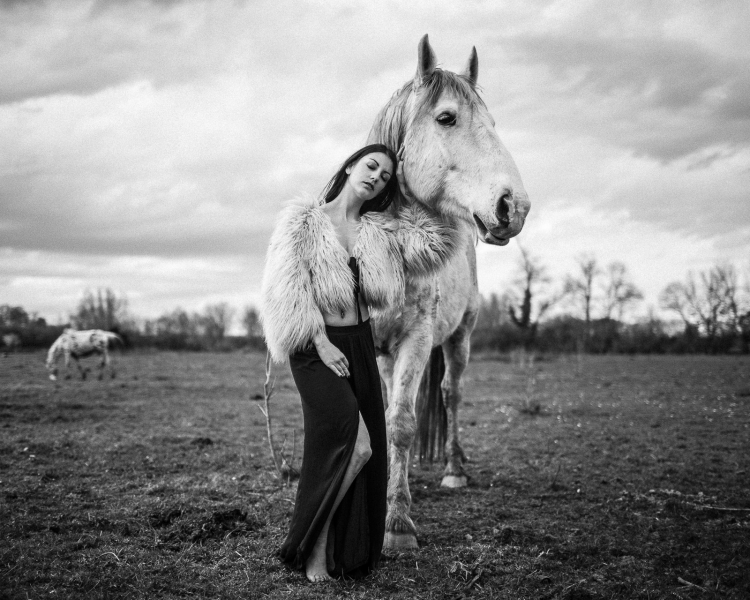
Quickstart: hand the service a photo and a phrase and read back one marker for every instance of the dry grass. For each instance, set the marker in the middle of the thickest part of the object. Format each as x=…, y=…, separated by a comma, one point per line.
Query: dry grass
x=616, y=478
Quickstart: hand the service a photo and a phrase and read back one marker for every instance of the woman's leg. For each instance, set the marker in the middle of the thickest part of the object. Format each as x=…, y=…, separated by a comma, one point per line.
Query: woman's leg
x=316, y=568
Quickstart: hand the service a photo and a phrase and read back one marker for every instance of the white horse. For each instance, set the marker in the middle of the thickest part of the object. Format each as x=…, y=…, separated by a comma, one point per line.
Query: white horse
x=80, y=344
x=456, y=167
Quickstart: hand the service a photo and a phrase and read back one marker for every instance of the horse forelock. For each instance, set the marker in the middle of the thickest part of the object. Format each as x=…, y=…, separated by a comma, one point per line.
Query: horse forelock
x=394, y=118
x=441, y=81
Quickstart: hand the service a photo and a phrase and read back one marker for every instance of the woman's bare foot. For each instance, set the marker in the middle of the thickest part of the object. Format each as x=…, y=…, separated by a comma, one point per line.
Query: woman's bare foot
x=316, y=568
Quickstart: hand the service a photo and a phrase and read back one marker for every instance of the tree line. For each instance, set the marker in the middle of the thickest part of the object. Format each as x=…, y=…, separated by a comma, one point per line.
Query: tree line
x=177, y=329
x=590, y=310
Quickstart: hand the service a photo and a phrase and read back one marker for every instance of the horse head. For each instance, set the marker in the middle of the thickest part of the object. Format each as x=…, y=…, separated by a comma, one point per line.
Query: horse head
x=452, y=158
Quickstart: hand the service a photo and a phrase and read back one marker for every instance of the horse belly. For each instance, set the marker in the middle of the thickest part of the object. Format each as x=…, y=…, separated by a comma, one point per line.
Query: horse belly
x=83, y=353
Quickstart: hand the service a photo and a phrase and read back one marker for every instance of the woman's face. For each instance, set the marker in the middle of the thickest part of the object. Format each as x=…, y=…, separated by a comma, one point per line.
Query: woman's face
x=370, y=174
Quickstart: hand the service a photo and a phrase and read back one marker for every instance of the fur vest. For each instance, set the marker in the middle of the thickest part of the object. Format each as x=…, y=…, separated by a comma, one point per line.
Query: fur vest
x=307, y=270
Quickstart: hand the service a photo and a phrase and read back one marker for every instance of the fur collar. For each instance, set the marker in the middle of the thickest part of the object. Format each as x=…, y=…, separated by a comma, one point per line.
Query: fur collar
x=376, y=251
x=307, y=268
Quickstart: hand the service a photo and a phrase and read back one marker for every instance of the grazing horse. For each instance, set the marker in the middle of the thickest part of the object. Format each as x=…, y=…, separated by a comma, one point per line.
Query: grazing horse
x=80, y=344
x=457, y=169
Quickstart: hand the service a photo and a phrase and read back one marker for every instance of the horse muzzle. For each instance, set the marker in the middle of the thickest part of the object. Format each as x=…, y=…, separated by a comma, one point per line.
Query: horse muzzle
x=506, y=221
x=499, y=235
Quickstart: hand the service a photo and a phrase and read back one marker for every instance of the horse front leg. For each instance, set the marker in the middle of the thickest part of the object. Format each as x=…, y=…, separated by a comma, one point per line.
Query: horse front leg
x=385, y=368
x=400, y=531
x=456, y=354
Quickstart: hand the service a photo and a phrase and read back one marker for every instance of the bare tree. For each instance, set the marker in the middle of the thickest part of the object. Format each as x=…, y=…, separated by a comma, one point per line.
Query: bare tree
x=491, y=312
x=727, y=279
x=674, y=298
x=103, y=310
x=524, y=311
x=283, y=467
x=581, y=288
x=216, y=319
x=711, y=302
x=251, y=322
x=619, y=292
x=177, y=324
x=707, y=300
x=744, y=320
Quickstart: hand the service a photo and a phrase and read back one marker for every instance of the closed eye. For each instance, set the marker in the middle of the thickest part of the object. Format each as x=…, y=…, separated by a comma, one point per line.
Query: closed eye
x=446, y=119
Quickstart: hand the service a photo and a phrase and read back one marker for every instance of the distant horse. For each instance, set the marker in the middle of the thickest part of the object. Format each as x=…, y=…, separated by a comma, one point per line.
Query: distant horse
x=11, y=343
x=457, y=169
x=80, y=344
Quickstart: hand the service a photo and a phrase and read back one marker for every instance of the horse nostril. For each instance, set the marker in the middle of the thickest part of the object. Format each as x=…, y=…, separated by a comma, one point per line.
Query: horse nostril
x=502, y=212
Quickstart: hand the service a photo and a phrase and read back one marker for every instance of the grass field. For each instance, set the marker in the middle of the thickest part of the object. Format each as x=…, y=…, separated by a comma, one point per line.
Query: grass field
x=592, y=477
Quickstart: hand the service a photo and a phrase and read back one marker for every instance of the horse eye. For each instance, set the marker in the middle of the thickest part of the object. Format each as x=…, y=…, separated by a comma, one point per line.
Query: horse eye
x=446, y=119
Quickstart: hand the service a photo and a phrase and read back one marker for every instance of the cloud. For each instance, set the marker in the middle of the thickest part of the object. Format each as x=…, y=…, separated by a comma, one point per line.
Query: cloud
x=84, y=47
x=52, y=283
x=661, y=98
x=145, y=142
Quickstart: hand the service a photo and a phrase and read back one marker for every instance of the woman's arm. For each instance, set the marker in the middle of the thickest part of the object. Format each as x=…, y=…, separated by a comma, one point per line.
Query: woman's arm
x=290, y=317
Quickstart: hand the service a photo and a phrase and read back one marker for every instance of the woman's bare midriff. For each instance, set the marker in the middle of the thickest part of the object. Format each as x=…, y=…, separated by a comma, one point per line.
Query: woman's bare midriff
x=350, y=315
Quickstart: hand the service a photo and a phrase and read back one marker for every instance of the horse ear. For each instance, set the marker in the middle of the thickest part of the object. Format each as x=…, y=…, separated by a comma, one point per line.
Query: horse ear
x=426, y=61
x=472, y=67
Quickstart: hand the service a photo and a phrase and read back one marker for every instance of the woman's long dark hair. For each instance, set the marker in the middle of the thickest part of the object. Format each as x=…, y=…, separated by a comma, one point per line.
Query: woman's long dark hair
x=380, y=202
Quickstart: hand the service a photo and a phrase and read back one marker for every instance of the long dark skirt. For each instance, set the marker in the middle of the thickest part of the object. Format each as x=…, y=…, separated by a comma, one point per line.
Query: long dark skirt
x=331, y=405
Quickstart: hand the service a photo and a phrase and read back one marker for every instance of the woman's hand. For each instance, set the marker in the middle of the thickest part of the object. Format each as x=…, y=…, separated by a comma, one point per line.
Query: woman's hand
x=331, y=356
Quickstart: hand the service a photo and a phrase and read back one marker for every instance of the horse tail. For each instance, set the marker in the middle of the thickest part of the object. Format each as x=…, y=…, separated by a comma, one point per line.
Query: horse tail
x=432, y=421
x=112, y=336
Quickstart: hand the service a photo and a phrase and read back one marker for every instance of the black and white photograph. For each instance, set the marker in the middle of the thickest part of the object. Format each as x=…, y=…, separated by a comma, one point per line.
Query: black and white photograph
x=412, y=300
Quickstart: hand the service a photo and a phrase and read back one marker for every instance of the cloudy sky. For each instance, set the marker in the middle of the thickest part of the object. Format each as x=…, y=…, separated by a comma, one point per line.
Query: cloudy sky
x=148, y=146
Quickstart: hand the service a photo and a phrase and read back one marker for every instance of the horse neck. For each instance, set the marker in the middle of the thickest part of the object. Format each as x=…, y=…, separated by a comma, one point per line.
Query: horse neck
x=54, y=353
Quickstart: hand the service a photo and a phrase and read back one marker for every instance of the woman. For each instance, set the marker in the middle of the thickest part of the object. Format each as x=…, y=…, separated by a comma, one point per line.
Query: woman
x=326, y=265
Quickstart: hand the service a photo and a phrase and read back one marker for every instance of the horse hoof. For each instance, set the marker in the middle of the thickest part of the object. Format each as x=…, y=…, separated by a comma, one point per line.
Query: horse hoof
x=454, y=481
x=399, y=542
